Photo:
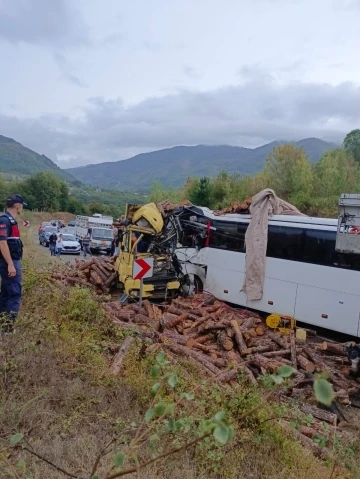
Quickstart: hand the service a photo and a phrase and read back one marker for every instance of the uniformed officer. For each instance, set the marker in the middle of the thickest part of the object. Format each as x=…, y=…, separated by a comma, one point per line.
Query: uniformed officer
x=10, y=265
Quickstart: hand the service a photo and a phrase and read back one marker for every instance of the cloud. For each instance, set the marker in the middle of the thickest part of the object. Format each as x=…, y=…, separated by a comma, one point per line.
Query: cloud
x=42, y=22
x=190, y=72
x=250, y=114
x=61, y=62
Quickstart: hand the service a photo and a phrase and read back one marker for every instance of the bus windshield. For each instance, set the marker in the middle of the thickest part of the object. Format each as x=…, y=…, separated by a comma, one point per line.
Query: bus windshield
x=101, y=234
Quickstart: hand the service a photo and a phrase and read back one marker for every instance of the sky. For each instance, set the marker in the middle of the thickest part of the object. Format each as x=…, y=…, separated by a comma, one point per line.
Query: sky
x=88, y=81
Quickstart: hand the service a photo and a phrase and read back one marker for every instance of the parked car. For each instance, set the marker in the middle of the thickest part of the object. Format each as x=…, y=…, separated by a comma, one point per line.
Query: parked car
x=44, y=223
x=71, y=223
x=45, y=234
x=71, y=244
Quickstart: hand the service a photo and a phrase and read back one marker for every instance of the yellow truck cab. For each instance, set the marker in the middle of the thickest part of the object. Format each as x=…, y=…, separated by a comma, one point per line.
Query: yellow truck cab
x=143, y=228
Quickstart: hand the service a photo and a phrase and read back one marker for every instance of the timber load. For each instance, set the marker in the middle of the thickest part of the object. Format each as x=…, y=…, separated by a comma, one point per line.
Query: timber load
x=225, y=342
x=97, y=273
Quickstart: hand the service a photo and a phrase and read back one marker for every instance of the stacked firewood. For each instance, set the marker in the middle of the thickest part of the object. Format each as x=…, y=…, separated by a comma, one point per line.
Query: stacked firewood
x=97, y=273
x=224, y=342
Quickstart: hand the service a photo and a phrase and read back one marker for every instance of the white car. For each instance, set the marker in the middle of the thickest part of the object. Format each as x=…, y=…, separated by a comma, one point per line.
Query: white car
x=71, y=244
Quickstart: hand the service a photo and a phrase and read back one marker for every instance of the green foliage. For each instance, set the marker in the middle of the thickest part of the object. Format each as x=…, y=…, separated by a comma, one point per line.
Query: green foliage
x=352, y=144
x=15, y=439
x=202, y=193
x=324, y=392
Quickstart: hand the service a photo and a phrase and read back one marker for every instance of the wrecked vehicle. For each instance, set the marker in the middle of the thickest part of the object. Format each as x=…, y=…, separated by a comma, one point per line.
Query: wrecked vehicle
x=142, y=237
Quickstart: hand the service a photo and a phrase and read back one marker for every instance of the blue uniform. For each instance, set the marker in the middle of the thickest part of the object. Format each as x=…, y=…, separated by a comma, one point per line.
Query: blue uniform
x=11, y=288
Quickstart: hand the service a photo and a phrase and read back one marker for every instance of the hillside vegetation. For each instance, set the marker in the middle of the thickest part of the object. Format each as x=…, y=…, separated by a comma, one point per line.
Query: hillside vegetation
x=47, y=192
x=314, y=188
x=16, y=160
x=172, y=166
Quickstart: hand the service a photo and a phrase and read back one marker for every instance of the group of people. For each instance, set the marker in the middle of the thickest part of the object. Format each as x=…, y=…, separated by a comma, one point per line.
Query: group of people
x=56, y=244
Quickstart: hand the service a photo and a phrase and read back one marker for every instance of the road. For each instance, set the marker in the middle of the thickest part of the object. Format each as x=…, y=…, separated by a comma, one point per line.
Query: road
x=65, y=257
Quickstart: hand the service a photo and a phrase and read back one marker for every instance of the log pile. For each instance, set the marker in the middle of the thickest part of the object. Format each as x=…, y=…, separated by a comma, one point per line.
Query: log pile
x=97, y=273
x=225, y=342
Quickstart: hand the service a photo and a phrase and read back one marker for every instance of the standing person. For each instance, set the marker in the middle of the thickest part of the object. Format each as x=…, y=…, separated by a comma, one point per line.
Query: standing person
x=52, y=244
x=11, y=250
x=59, y=245
x=86, y=245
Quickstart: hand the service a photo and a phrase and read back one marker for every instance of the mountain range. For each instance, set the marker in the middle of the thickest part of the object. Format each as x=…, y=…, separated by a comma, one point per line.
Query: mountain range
x=18, y=161
x=172, y=166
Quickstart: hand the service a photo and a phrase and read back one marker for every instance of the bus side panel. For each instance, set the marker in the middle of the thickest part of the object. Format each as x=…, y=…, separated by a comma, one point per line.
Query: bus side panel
x=342, y=310
x=278, y=297
x=225, y=285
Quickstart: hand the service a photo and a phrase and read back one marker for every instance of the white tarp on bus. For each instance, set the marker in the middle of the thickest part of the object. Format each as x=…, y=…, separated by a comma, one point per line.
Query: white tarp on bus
x=264, y=205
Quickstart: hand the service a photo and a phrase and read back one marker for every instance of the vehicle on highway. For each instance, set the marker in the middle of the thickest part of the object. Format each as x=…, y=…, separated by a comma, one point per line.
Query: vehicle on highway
x=44, y=223
x=71, y=244
x=45, y=234
x=100, y=230
x=71, y=223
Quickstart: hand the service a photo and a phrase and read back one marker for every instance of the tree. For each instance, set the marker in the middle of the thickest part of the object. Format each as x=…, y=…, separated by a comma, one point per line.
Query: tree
x=202, y=193
x=336, y=172
x=290, y=173
x=77, y=207
x=95, y=207
x=352, y=143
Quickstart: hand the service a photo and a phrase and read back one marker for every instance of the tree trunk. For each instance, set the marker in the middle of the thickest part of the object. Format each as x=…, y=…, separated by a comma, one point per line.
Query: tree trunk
x=239, y=337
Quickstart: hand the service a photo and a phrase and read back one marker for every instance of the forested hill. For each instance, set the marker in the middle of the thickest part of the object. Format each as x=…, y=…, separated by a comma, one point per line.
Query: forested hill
x=17, y=160
x=172, y=166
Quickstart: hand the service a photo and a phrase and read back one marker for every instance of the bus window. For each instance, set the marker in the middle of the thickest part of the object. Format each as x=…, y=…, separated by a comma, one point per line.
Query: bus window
x=285, y=243
x=319, y=248
x=229, y=236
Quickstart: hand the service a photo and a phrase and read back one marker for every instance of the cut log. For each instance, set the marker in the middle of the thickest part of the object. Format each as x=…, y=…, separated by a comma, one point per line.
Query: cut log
x=211, y=326
x=87, y=264
x=111, y=279
x=95, y=278
x=206, y=348
x=119, y=358
x=305, y=364
x=148, y=308
x=239, y=337
x=204, y=338
x=260, y=330
x=271, y=354
x=267, y=364
x=261, y=349
x=169, y=320
x=293, y=350
x=316, y=359
x=174, y=310
x=277, y=339
x=224, y=341
x=308, y=431
x=333, y=348
x=140, y=318
x=319, y=413
x=199, y=357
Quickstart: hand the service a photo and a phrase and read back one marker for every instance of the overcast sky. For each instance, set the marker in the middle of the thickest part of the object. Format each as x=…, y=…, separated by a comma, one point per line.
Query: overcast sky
x=87, y=81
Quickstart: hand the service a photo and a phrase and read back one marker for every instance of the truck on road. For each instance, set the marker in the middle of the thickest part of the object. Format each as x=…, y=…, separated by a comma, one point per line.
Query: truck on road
x=100, y=230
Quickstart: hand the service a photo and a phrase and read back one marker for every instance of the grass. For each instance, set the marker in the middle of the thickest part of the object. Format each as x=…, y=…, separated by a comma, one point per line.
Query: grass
x=55, y=388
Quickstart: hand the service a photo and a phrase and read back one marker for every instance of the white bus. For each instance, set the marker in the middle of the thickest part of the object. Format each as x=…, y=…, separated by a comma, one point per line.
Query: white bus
x=305, y=277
